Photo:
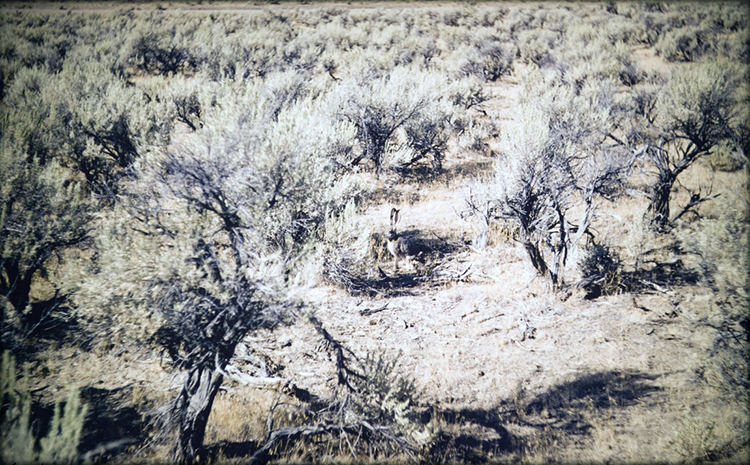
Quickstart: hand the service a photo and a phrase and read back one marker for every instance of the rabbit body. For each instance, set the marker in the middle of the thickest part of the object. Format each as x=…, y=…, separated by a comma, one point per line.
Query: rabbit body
x=399, y=247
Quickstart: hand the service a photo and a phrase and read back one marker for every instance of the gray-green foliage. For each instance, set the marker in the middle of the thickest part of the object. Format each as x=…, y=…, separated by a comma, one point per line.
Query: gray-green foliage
x=685, y=44
x=159, y=45
x=400, y=117
x=43, y=210
x=598, y=59
x=61, y=443
x=85, y=118
x=488, y=59
x=17, y=439
x=385, y=395
x=537, y=46
x=225, y=144
x=258, y=165
x=59, y=446
x=695, y=111
x=721, y=245
x=697, y=103
x=213, y=237
x=557, y=160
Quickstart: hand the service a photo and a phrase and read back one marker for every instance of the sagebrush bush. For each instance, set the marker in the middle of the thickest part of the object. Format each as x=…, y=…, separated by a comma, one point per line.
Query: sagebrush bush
x=721, y=245
x=488, y=60
x=44, y=210
x=601, y=269
x=536, y=46
x=210, y=166
x=227, y=219
x=385, y=394
x=84, y=118
x=686, y=44
x=158, y=47
x=380, y=108
x=654, y=28
x=599, y=61
x=697, y=104
x=726, y=157
x=553, y=159
x=19, y=445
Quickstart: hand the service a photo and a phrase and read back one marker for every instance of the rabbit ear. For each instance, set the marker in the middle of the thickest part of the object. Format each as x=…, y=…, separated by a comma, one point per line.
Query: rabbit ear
x=394, y=217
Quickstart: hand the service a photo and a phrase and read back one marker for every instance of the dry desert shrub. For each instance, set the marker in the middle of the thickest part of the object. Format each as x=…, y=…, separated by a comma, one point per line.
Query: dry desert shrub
x=176, y=181
x=20, y=439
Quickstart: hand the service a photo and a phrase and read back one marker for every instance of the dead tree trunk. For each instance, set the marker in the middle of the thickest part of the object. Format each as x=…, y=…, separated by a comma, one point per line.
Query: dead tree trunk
x=560, y=251
x=191, y=409
x=660, y=194
x=537, y=260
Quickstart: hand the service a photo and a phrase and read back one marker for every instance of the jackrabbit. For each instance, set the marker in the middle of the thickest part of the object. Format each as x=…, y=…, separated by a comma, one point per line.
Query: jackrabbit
x=398, y=246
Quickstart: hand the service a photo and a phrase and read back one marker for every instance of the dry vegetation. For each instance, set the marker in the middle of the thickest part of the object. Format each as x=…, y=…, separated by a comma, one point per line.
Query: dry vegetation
x=195, y=223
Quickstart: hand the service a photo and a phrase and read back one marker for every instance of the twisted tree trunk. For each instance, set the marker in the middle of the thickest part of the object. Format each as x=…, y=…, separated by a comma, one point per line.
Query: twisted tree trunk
x=660, y=194
x=537, y=260
x=191, y=409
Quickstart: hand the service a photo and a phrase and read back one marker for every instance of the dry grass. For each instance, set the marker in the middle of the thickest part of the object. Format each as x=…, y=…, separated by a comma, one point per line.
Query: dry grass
x=624, y=378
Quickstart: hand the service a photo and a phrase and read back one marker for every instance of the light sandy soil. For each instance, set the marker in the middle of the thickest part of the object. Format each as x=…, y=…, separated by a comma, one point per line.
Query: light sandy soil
x=496, y=354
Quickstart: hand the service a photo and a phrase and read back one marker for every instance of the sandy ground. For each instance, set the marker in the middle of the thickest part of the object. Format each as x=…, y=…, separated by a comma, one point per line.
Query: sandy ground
x=614, y=378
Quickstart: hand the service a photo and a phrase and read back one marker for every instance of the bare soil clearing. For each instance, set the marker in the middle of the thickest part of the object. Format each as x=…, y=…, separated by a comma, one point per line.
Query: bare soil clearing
x=509, y=369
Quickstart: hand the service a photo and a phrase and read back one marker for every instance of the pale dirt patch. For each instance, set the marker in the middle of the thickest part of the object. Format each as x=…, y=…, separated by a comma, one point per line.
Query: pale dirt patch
x=647, y=59
x=469, y=345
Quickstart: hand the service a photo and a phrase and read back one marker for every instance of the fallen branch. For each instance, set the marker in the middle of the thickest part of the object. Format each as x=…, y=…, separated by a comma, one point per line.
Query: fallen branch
x=482, y=274
x=372, y=311
x=695, y=200
x=294, y=433
x=656, y=286
x=451, y=275
x=235, y=373
x=484, y=320
x=359, y=429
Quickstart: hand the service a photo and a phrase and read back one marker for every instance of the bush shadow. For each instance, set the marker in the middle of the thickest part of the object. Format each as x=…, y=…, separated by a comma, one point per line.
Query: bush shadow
x=518, y=427
x=470, y=436
x=230, y=450
x=375, y=277
x=661, y=274
x=653, y=275
x=112, y=424
x=564, y=407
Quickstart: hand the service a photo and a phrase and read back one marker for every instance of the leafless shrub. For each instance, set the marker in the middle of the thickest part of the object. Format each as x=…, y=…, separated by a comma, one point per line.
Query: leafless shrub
x=601, y=272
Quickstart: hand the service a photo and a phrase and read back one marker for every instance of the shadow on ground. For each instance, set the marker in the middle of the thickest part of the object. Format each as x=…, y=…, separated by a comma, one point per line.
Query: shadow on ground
x=380, y=278
x=561, y=413
x=230, y=450
x=112, y=423
x=662, y=274
x=652, y=276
